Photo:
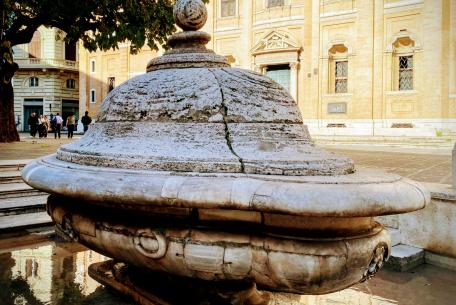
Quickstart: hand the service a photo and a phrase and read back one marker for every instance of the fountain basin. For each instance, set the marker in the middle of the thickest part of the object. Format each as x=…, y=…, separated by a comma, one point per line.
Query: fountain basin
x=203, y=171
x=285, y=233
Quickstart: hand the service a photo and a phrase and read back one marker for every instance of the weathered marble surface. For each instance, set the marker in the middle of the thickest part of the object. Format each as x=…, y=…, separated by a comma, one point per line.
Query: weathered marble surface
x=365, y=193
x=205, y=171
x=204, y=120
x=272, y=261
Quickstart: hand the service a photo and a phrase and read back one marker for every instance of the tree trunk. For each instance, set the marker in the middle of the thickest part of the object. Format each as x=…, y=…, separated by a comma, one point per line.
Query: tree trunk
x=8, y=131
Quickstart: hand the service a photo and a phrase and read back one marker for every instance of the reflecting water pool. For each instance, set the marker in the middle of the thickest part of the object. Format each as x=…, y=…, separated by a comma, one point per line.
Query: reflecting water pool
x=44, y=270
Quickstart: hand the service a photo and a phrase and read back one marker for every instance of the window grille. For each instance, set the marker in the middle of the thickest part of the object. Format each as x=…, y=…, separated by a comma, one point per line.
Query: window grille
x=274, y=3
x=406, y=72
x=341, y=76
x=111, y=83
x=71, y=83
x=227, y=8
x=33, y=82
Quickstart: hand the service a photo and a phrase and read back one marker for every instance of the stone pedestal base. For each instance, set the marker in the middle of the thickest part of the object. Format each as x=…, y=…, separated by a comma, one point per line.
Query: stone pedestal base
x=148, y=288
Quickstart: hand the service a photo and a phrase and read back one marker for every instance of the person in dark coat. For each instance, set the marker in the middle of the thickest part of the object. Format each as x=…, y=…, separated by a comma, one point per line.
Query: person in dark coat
x=86, y=120
x=33, y=124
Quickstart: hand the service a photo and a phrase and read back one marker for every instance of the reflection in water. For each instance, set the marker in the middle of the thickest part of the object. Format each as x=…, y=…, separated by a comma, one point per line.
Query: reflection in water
x=52, y=274
x=55, y=273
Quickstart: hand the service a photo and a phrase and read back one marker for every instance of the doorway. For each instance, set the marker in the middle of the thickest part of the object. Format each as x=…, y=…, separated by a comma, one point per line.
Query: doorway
x=69, y=107
x=31, y=105
x=280, y=74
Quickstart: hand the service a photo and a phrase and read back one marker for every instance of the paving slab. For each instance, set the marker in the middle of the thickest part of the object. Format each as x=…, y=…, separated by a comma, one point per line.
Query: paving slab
x=434, y=168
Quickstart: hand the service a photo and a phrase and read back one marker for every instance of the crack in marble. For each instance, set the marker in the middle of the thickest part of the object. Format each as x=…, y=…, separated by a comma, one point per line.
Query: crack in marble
x=224, y=112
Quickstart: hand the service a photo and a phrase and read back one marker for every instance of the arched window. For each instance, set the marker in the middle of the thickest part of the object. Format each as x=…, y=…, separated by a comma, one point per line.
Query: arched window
x=403, y=78
x=70, y=83
x=35, y=46
x=338, y=69
x=33, y=82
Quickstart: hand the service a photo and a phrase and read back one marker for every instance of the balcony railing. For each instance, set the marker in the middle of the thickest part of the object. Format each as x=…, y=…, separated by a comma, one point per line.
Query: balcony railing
x=39, y=63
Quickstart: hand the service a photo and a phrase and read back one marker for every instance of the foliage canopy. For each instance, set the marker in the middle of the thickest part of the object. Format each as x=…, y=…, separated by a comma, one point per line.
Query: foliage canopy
x=98, y=23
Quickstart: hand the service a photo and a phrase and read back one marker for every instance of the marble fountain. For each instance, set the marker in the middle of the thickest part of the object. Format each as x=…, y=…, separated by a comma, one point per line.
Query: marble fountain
x=197, y=174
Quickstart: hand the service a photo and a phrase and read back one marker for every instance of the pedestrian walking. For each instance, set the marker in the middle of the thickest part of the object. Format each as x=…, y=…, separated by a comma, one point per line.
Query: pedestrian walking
x=52, y=122
x=70, y=123
x=58, y=125
x=33, y=124
x=86, y=120
x=41, y=126
x=46, y=125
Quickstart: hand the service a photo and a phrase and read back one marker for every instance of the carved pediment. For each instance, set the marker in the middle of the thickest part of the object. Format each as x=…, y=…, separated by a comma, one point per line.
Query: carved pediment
x=275, y=40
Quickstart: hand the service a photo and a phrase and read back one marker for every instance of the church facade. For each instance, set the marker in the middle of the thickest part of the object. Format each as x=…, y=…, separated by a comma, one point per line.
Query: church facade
x=384, y=67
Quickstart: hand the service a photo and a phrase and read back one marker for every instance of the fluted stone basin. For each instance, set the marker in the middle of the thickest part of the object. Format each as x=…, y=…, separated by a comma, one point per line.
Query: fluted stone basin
x=200, y=170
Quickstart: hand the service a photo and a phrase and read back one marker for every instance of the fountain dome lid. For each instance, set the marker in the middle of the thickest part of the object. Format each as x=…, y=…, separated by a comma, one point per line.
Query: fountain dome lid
x=192, y=112
x=195, y=133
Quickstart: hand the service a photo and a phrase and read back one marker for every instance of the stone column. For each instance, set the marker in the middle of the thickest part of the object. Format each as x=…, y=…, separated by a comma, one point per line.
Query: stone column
x=294, y=80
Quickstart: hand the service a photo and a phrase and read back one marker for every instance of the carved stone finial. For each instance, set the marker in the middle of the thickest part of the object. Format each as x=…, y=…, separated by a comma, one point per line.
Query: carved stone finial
x=190, y=15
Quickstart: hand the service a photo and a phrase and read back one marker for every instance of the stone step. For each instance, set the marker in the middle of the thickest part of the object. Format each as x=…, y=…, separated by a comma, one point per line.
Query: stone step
x=419, y=142
x=24, y=220
x=11, y=176
x=22, y=205
x=13, y=165
x=404, y=258
x=14, y=190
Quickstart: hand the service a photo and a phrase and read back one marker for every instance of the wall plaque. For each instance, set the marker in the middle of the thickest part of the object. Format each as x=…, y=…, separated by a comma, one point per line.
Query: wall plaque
x=337, y=107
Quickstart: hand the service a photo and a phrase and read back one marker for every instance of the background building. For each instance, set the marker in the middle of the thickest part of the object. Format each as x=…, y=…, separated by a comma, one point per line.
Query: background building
x=384, y=67
x=48, y=79
x=100, y=72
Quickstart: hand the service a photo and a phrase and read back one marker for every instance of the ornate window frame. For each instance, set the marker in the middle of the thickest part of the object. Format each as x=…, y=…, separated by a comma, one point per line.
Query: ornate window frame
x=338, y=51
x=402, y=44
x=278, y=47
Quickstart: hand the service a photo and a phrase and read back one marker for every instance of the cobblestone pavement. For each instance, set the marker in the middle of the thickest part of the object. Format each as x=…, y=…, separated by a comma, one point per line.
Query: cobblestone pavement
x=435, y=168
x=426, y=167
